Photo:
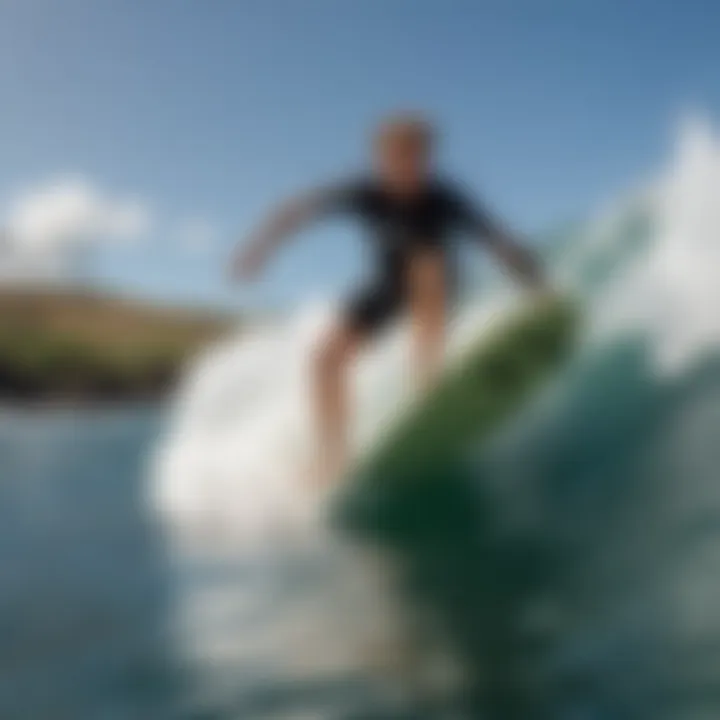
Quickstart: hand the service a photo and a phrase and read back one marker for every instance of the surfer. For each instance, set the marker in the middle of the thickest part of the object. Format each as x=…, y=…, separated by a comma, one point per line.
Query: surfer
x=411, y=213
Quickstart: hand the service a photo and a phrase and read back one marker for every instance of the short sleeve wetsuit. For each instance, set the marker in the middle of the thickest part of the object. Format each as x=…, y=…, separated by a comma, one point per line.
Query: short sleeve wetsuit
x=398, y=228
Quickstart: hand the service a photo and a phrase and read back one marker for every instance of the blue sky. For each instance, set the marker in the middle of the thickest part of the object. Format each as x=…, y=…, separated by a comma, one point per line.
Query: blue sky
x=206, y=111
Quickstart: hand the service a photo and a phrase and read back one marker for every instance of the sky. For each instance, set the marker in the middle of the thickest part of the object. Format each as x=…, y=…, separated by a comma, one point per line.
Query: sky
x=139, y=139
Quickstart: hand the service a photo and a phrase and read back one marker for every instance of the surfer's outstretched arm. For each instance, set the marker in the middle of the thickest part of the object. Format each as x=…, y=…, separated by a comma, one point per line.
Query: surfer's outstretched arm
x=289, y=218
x=513, y=254
x=517, y=258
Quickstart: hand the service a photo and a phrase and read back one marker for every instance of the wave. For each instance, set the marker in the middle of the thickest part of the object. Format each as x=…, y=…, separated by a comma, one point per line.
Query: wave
x=599, y=503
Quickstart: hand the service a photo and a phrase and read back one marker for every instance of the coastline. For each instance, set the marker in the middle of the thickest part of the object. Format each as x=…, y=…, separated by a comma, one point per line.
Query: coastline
x=86, y=349
x=85, y=402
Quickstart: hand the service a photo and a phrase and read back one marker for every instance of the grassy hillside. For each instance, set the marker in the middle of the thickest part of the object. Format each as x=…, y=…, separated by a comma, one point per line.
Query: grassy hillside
x=87, y=345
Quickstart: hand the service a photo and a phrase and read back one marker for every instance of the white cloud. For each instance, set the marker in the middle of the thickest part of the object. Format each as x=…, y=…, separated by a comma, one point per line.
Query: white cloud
x=196, y=235
x=47, y=227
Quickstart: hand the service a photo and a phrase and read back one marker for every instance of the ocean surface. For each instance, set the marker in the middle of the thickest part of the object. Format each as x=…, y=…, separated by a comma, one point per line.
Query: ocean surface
x=85, y=584
x=168, y=563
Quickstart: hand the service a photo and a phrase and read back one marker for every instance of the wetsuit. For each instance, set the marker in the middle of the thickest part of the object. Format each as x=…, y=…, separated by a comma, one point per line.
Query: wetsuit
x=398, y=228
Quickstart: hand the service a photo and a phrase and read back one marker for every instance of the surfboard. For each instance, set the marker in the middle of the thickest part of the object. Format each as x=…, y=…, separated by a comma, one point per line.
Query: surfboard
x=490, y=380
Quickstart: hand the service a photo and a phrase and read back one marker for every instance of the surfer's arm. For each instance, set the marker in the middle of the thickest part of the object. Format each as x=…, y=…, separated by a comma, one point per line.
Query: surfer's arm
x=503, y=244
x=290, y=218
x=516, y=257
x=285, y=221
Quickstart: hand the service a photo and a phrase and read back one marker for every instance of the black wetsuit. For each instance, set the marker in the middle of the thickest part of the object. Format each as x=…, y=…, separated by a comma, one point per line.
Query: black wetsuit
x=398, y=228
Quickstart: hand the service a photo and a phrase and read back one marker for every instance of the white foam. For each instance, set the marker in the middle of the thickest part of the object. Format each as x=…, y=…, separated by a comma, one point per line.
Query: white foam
x=235, y=460
x=671, y=291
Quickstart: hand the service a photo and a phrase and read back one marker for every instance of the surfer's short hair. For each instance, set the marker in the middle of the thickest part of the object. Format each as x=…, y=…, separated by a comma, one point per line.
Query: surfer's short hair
x=408, y=127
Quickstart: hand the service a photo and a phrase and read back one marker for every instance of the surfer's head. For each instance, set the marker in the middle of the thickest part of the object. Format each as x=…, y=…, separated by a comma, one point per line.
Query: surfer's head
x=403, y=151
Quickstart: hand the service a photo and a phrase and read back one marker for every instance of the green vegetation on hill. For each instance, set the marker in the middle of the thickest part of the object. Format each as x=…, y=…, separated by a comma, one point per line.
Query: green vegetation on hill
x=73, y=345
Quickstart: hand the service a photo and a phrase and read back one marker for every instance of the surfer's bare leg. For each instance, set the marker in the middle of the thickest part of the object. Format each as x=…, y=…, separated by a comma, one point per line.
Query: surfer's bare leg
x=330, y=388
x=428, y=292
